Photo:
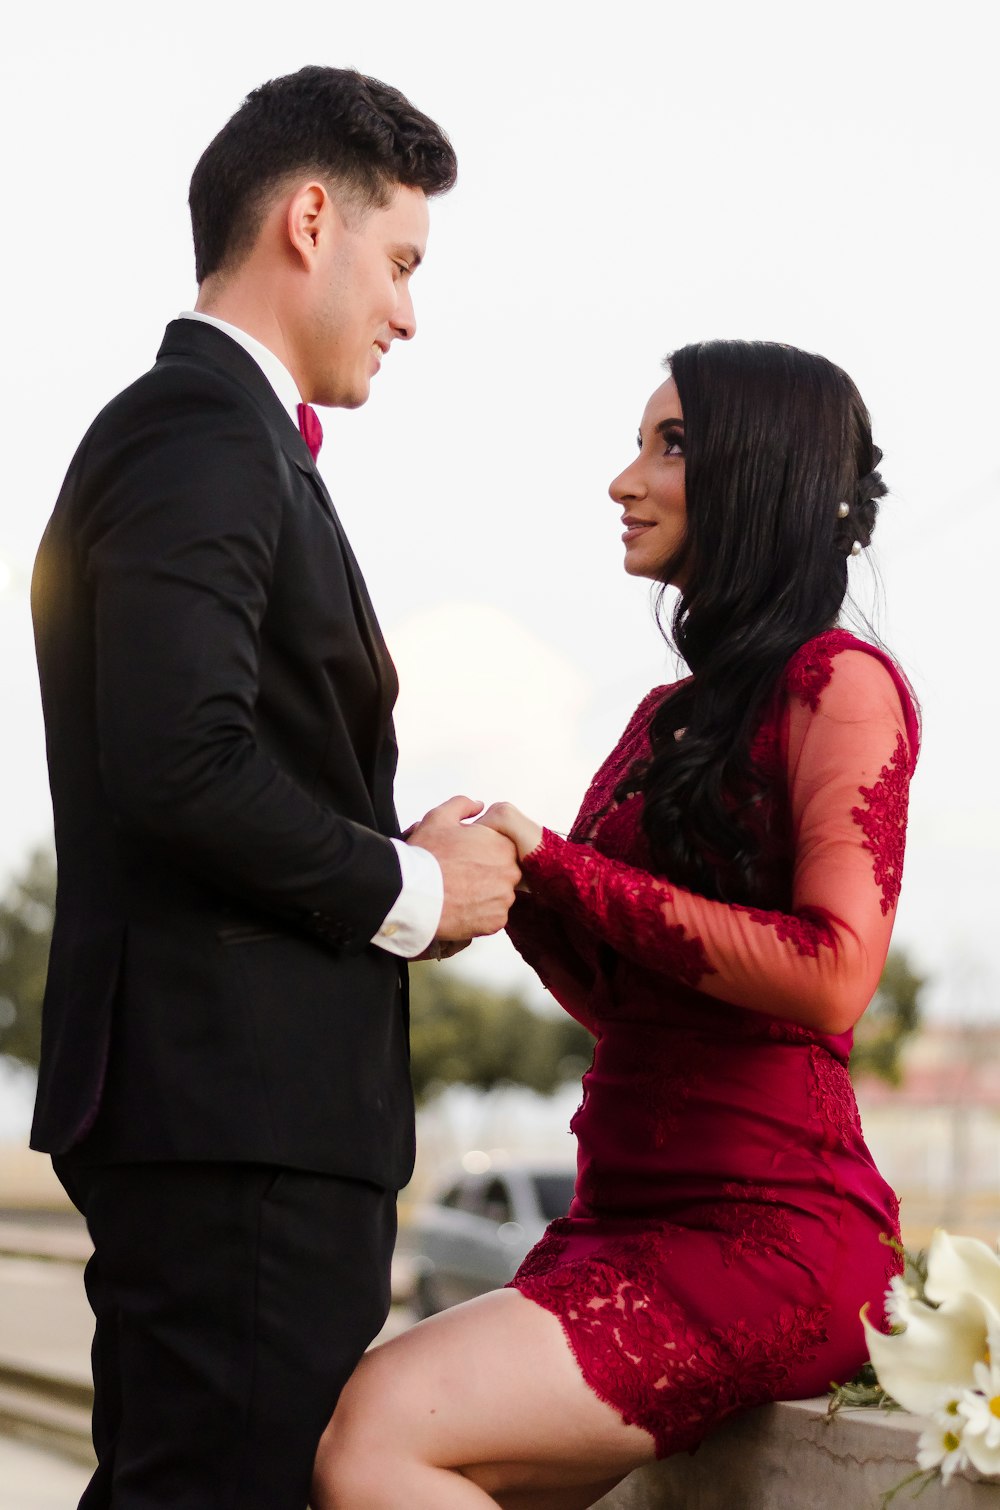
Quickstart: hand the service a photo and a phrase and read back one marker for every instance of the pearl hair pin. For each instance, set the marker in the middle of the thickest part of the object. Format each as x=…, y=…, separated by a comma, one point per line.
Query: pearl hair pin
x=843, y=509
x=856, y=548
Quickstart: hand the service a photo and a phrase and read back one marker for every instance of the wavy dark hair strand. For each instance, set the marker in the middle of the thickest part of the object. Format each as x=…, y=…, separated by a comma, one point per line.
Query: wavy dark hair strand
x=775, y=439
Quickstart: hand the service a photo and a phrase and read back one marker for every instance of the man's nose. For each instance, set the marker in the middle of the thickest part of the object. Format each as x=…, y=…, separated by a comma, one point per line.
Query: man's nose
x=404, y=321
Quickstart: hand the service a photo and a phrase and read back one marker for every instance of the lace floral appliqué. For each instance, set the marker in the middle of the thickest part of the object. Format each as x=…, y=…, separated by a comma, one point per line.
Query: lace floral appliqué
x=811, y=667
x=780, y=1031
x=640, y=1353
x=632, y=748
x=625, y=904
x=663, y=1095
x=833, y=1094
x=807, y=930
x=546, y=1253
x=884, y=823
x=754, y=1222
x=894, y=1263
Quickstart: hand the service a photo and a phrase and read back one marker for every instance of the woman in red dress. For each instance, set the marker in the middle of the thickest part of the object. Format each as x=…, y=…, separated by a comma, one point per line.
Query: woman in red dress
x=718, y=917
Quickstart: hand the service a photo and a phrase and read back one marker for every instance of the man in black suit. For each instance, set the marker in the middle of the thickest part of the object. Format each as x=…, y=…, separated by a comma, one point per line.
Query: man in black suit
x=224, y=1083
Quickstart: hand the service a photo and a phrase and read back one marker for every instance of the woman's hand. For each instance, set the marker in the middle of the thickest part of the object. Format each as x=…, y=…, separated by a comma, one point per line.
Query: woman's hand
x=506, y=819
x=441, y=949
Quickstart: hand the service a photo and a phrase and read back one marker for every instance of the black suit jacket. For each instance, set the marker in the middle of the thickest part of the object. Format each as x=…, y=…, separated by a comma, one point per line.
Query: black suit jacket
x=217, y=701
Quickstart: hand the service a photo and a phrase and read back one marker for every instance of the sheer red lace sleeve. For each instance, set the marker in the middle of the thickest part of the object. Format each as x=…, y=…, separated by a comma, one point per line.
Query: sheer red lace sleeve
x=539, y=936
x=848, y=739
x=564, y=957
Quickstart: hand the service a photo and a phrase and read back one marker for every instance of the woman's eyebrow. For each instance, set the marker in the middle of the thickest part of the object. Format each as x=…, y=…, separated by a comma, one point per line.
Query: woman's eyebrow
x=664, y=428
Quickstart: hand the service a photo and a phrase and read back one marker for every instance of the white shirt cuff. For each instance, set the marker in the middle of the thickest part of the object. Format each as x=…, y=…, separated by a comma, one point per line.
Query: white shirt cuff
x=413, y=918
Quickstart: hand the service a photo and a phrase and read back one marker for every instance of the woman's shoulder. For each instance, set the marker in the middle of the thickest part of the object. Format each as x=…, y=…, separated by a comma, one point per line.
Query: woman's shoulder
x=653, y=698
x=855, y=667
x=631, y=748
x=638, y=724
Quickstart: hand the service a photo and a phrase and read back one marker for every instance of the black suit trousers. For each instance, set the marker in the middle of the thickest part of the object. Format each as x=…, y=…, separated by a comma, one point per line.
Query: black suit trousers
x=232, y=1303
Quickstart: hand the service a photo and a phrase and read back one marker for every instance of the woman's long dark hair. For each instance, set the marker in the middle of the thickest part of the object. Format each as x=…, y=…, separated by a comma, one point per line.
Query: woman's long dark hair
x=775, y=439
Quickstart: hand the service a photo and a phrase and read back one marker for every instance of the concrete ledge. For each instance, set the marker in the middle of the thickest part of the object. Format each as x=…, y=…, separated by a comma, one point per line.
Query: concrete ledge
x=791, y=1457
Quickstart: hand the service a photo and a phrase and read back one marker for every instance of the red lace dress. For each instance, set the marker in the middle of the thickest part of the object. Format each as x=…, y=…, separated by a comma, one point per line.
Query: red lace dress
x=725, y=1228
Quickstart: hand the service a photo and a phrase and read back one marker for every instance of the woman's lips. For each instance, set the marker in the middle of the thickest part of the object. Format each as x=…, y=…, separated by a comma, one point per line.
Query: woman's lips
x=634, y=528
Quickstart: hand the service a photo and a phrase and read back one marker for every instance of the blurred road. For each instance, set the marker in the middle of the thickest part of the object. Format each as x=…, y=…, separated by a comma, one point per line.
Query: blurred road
x=45, y=1321
x=46, y=1327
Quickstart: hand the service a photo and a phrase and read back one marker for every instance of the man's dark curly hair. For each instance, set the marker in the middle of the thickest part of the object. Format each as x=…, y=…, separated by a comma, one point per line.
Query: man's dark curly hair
x=361, y=136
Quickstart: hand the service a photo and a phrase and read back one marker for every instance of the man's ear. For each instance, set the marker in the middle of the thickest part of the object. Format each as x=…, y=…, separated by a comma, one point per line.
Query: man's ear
x=311, y=216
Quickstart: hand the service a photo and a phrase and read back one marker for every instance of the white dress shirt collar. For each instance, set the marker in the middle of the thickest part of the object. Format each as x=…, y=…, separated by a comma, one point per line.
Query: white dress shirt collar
x=272, y=367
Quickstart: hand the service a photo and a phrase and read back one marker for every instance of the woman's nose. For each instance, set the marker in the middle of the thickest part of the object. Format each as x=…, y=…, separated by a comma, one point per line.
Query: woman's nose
x=626, y=485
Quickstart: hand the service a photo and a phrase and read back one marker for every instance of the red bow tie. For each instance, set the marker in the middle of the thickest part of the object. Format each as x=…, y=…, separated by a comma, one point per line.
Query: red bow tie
x=310, y=429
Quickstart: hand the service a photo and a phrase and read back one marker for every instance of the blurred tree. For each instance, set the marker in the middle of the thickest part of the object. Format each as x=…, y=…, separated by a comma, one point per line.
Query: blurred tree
x=465, y=1032
x=26, y=914
x=892, y=1018
x=460, y=1031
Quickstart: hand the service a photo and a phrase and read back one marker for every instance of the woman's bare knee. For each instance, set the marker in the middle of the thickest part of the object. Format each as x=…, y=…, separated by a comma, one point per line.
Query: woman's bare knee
x=352, y=1461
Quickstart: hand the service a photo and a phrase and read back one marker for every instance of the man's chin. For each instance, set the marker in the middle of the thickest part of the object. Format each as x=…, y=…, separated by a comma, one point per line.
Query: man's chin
x=344, y=398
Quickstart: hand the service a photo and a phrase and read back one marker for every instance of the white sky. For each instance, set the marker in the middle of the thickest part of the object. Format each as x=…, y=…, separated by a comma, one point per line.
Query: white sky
x=632, y=177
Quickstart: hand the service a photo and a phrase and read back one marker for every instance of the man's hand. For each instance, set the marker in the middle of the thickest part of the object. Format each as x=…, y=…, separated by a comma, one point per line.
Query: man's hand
x=479, y=867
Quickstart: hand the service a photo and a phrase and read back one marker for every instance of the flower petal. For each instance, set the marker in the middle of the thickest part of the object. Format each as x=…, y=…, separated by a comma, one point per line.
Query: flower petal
x=941, y=1445
x=898, y=1299
x=932, y=1361
x=962, y=1264
x=980, y=1454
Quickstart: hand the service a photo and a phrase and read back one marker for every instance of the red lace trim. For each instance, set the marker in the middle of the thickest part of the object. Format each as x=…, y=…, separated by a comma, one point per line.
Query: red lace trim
x=755, y=1222
x=807, y=930
x=531, y=929
x=894, y=1263
x=639, y=1352
x=584, y=1089
x=547, y=1251
x=884, y=823
x=622, y=904
x=663, y=1094
x=833, y=1094
x=631, y=748
x=529, y=934
x=811, y=667
x=790, y=1032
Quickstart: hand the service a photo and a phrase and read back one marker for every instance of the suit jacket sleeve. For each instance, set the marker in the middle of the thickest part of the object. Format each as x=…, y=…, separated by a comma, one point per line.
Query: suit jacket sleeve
x=179, y=542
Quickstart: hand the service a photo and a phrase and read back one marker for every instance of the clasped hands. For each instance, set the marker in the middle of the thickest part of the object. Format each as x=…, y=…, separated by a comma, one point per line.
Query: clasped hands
x=479, y=864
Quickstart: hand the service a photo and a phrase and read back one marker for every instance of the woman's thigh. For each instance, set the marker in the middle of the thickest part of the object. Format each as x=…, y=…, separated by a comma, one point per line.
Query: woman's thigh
x=491, y=1389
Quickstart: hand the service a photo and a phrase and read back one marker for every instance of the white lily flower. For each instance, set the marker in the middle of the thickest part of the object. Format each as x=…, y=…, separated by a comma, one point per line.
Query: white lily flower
x=942, y=1446
x=931, y=1362
x=962, y=1265
x=897, y=1301
x=943, y=1360
x=980, y=1410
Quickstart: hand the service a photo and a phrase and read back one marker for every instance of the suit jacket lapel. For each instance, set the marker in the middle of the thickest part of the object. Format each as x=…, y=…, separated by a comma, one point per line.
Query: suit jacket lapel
x=364, y=612
x=193, y=338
